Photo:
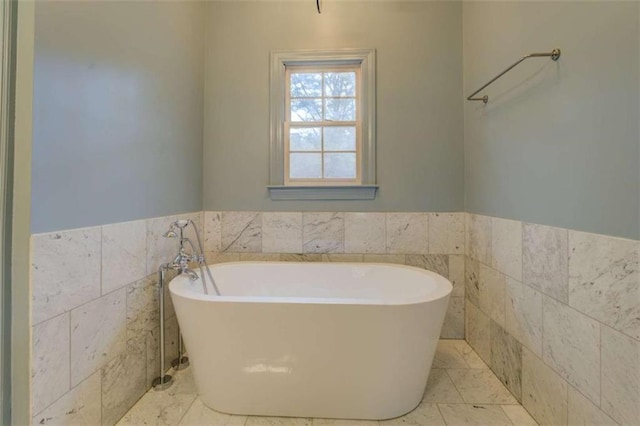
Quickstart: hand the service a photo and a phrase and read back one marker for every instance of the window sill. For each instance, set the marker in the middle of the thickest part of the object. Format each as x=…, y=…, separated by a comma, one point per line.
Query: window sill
x=356, y=192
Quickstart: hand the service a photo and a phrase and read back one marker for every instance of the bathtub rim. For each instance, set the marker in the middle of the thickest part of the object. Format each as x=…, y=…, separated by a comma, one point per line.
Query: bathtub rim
x=178, y=287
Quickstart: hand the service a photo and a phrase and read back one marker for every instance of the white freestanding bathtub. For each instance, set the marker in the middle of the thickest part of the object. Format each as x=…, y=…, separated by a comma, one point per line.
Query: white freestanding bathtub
x=332, y=340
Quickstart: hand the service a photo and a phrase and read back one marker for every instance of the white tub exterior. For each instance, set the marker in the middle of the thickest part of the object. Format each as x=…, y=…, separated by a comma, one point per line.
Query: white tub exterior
x=333, y=340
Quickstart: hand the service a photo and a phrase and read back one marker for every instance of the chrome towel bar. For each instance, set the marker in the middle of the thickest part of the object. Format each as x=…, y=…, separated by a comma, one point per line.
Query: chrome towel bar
x=554, y=54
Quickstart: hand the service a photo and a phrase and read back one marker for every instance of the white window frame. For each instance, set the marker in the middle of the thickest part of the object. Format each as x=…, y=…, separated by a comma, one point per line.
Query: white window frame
x=365, y=187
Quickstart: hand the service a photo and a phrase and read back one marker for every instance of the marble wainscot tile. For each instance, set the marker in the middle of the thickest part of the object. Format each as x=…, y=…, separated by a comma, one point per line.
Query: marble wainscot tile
x=259, y=257
x=480, y=386
x=453, y=326
x=440, y=388
x=160, y=249
x=124, y=254
x=322, y=232
x=143, y=311
x=446, y=233
x=582, y=412
x=438, y=263
x=282, y=232
x=305, y=257
x=492, y=293
x=506, y=247
x=98, y=334
x=124, y=381
x=199, y=414
x=571, y=346
x=620, y=376
x=213, y=257
x=242, y=232
x=65, y=271
x=604, y=280
x=544, y=260
x=50, y=372
x=476, y=330
x=518, y=415
x=364, y=233
x=478, y=238
x=474, y=414
x=523, y=315
x=424, y=414
x=342, y=257
x=80, y=406
x=407, y=233
x=544, y=393
x=398, y=259
x=212, y=231
x=506, y=359
x=472, y=280
x=456, y=274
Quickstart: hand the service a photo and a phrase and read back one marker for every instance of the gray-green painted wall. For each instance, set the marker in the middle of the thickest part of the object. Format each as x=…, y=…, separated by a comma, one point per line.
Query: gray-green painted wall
x=118, y=100
x=419, y=98
x=558, y=143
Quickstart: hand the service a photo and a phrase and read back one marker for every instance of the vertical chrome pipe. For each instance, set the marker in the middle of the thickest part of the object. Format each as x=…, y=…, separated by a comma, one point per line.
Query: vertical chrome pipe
x=163, y=381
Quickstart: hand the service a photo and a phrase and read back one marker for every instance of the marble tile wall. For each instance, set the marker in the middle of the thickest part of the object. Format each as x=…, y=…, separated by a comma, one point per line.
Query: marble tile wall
x=95, y=319
x=555, y=313
x=433, y=241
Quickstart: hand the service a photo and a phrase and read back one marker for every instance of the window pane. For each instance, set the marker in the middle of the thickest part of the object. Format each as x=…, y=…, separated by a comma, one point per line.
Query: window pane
x=306, y=85
x=340, y=138
x=304, y=139
x=340, y=166
x=306, y=110
x=340, y=84
x=305, y=166
x=340, y=109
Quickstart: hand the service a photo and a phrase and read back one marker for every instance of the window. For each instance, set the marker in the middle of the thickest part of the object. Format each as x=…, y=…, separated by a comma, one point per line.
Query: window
x=322, y=125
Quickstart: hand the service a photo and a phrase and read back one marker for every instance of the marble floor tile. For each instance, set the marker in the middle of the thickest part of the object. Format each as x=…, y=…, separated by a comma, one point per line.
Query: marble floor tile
x=448, y=356
x=341, y=422
x=473, y=415
x=440, y=388
x=158, y=408
x=470, y=356
x=479, y=386
x=278, y=421
x=424, y=414
x=199, y=415
x=518, y=415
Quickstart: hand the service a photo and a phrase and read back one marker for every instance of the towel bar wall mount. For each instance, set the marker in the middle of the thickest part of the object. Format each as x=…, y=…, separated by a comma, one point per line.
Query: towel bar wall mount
x=554, y=54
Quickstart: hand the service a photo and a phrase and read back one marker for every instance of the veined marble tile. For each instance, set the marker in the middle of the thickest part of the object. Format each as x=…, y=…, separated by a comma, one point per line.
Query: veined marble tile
x=492, y=293
x=277, y=421
x=160, y=249
x=440, y=388
x=448, y=355
x=478, y=239
x=323, y=232
x=153, y=348
x=212, y=231
x=571, y=346
x=424, y=414
x=544, y=393
x=506, y=247
x=217, y=257
x=50, y=372
x=480, y=386
x=518, y=415
x=407, y=233
x=472, y=280
x=80, y=406
x=398, y=259
x=438, y=263
x=197, y=218
x=604, y=280
x=242, y=232
x=341, y=422
x=342, y=257
x=364, y=233
x=143, y=311
x=506, y=359
x=583, y=413
x=306, y=257
x=158, y=408
x=620, y=376
x=476, y=331
x=456, y=274
x=282, y=232
x=124, y=254
x=523, y=315
x=446, y=233
x=65, y=271
x=474, y=415
x=259, y=257
x=544, y=260
x=453, y=326
x=98, y=334
x=470, y=356
x=124, y=381
x=199, y=414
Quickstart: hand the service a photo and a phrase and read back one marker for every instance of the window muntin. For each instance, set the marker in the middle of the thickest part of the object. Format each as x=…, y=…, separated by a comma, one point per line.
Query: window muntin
x=322, y=128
